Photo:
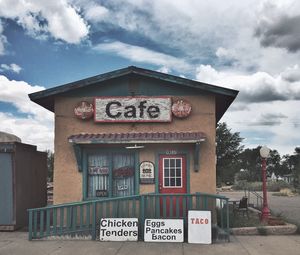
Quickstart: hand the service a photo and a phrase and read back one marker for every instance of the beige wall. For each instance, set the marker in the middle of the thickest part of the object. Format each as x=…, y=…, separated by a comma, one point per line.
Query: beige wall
x=67, y=179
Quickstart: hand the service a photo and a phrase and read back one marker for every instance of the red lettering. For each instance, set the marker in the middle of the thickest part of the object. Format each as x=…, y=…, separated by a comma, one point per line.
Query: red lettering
x=199, y=221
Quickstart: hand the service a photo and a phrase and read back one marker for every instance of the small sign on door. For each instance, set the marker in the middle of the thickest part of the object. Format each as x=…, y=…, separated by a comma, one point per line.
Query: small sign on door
x=147, y=172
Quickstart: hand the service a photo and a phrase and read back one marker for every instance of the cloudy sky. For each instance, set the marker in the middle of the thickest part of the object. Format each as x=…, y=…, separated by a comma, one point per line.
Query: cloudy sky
x=250, y=45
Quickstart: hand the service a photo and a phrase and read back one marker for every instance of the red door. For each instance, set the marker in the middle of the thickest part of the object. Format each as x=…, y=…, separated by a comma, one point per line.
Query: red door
x=172, y=180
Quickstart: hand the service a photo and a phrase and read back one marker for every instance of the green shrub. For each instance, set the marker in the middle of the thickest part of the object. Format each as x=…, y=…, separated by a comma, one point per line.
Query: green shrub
x=262, y=231
x=277, y=186
x=257, y=186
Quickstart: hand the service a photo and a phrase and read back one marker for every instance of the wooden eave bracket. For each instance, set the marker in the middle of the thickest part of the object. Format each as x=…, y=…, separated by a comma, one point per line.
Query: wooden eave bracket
x=78, y=155
x=197, y=156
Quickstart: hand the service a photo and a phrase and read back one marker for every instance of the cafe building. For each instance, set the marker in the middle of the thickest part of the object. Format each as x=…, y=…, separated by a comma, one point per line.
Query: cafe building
x=134, y=131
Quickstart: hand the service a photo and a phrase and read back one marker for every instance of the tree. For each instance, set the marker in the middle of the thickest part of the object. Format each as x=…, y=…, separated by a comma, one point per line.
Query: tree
x=250, y=161
x=274, y=163
x=50, y=165
x=293, y=161
x=228, y=149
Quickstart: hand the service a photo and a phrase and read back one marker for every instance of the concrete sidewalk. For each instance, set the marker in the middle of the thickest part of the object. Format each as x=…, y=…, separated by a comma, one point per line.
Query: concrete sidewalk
x=16, y=243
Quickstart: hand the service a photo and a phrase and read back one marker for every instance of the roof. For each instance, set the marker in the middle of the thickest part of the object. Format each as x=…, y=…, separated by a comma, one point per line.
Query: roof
x=224, y=96
x=140, y=137
x=6, y=137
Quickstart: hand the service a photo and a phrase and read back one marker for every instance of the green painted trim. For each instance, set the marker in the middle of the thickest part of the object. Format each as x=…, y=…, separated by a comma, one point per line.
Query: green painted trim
x=74, y=216
x=81, y=217
x=39, y=96
x=94, y=213
x=62, y=219
x=41, y=223
x=109, y=152
x=149, y=206
x=110, y=179
x=78, y=155
x=137, y=173
x=84, y=175
x=35, y=224
x=197, y=157
x=54, y=221
x=30, y=226
x=156, y=177
x=188, y=172
x=47, y=222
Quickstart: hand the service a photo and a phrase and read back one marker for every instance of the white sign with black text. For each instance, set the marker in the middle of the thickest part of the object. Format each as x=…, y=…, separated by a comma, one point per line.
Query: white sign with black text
x=119, y=229
x=163, y=230
x=133, y=109
x=147, y=172
x=199, y=227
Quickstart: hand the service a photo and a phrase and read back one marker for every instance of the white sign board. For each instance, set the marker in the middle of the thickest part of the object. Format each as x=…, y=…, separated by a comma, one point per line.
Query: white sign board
x=163, y=230
x=147, y=172
x=119, y=229
x=199, y=227
x=133, y=109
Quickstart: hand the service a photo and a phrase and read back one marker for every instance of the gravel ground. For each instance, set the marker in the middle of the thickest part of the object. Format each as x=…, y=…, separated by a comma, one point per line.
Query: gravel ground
x=288, y=207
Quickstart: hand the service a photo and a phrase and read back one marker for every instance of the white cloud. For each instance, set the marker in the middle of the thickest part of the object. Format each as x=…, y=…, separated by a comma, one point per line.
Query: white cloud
x=30, y=130
x=255, y=87
x=35, y=126
x=3, y=40
x=143, y=55
x=267, y=108
x=253, y=125
x=58, y=18
x=12, y=67
x=95, y=13
x=163, y=69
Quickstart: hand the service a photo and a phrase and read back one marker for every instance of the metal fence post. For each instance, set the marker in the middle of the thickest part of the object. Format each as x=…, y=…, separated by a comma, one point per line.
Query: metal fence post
x=142, y=215
x=227, y=221
x=94, y=221
x=30, y=226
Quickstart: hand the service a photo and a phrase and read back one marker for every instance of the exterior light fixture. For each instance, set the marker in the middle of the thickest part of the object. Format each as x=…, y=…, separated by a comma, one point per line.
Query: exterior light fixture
x=135, y=147
x=265, y=212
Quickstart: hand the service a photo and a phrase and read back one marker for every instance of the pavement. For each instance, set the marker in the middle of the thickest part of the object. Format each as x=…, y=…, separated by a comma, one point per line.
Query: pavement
x=287, y=207
x=15, y=243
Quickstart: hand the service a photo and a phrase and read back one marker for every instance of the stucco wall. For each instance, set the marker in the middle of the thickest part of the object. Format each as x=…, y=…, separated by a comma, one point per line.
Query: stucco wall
x=67, y=179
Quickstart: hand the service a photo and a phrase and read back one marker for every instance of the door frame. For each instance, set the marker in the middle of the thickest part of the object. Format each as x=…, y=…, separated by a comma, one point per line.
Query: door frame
x=178, y=152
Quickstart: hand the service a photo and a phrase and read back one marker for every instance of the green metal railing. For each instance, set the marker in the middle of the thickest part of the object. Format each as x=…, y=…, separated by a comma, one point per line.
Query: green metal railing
x=82, y=218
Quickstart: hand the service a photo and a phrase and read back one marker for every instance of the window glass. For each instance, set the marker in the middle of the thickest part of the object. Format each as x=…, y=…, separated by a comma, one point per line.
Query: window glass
x=111, y=174
x=172, y=172
x=123, y=175
x=98, y=171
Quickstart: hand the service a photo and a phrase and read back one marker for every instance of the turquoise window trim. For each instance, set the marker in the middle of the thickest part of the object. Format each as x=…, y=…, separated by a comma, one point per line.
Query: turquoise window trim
x=188, y=170
x=137, y=173
x=84, y=176
x=86, y=151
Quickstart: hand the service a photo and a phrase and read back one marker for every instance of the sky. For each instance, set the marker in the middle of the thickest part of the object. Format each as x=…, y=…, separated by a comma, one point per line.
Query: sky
x=252, y=46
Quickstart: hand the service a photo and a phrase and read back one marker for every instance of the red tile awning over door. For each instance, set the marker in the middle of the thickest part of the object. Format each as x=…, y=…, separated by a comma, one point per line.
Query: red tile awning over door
x=138, y=138
x=145, y=137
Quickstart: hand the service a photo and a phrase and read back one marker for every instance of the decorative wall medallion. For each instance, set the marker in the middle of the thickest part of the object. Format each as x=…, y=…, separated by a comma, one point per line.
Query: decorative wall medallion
x=181, y=108
x=84, y=110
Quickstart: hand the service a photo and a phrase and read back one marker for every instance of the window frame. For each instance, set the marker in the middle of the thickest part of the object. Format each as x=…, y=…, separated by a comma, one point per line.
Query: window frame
x=175, y=176
x=110, y=152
